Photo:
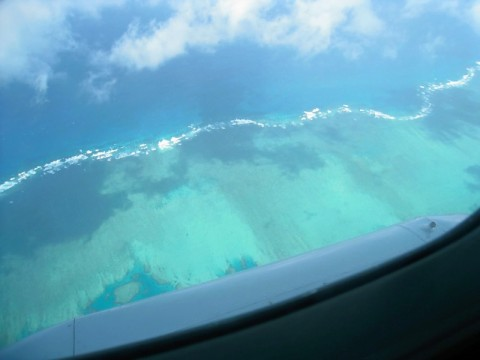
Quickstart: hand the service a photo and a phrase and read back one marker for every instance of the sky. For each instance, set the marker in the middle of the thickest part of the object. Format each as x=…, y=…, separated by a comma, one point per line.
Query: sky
x=36, y=34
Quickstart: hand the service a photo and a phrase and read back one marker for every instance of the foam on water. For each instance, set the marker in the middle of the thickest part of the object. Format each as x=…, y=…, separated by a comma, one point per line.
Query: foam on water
x=221, y=198
x=425, y=91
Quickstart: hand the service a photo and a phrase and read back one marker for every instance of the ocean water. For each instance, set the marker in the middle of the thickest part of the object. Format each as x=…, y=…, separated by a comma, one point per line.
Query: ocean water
x=219, y=161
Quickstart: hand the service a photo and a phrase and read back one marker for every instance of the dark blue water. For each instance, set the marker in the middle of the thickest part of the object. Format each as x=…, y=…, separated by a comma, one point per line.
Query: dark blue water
x=232, y=196
x=240, y=80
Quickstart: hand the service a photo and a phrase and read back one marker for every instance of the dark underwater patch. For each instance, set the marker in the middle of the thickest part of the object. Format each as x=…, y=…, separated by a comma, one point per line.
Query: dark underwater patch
x=163, y=186
x=147, y=287
x=474, y=172
x=294, y=158
x=452, y=110
x=405, y=98
x=238, y=144
x=150, y=186
x=240, y=264
x=228, y=145
x=54, y=208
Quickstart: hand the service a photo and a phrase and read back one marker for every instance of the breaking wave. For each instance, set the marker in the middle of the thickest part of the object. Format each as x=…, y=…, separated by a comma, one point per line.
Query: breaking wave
x=163, y=144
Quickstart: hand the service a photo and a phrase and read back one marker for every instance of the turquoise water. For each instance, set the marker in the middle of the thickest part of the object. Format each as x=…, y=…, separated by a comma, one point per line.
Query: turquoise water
x=136, y=285
x=119, y=182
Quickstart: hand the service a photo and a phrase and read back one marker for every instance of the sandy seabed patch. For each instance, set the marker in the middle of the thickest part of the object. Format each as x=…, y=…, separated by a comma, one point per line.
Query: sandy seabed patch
x=276, y=194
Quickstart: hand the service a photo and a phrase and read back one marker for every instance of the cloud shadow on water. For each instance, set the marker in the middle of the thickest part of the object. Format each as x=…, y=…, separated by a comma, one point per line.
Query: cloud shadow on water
x=474, y=172
x=163, y=186
x=293, y=158
x=170, y=176
x=239, y=144
x=452, y=111
x=228, y=145
x=54, y=208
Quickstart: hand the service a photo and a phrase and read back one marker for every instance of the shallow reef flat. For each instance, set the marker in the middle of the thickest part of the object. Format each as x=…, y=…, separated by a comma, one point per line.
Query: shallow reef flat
x=223, y=201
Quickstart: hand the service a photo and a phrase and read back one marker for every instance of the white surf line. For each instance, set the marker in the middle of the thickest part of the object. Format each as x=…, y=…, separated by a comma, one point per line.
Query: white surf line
x=426, y=93
x=123, y=152
x=168, y=143
x=102, y=155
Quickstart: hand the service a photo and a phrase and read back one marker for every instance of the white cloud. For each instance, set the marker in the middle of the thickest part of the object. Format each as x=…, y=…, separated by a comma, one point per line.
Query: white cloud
x=432, y=45
x=365, y=21
x=40, y=84
x=475, y=15
x=414, y=8
x=157, y=44
x=310, y=26
x=306, y=25
x=467, y=11
x=99, y=85
x=195, y=24
x=390, y=52
x=33, y=33
x=30, y=35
